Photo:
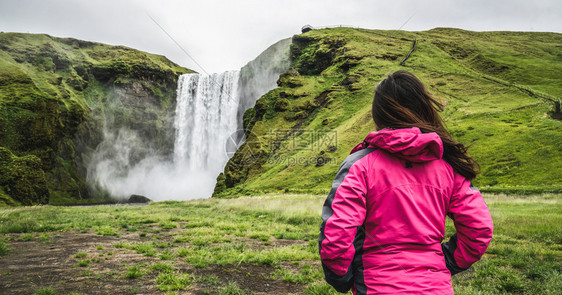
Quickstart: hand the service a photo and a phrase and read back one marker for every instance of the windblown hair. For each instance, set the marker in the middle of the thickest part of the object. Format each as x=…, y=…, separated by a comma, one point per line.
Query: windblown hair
x=402, y=101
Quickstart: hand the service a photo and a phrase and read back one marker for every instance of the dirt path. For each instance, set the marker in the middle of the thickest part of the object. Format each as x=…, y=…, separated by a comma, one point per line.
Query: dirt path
x=51, y=263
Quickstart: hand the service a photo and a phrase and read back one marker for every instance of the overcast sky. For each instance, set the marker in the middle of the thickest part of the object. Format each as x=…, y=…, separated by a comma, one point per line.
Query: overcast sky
x=225, y=35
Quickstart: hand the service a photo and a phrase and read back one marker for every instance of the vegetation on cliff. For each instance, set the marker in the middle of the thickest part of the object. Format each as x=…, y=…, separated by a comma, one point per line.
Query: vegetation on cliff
x=57, y=95
x=501, y=89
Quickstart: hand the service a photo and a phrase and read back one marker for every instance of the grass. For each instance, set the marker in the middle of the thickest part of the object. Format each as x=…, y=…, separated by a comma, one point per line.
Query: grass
x=524, y=257
x=134, y=272
x=46, y=237
x=45, y=291
x=169, y=281
x=525, y=254
x=4, y=248
x=231, y=289
x=106, y=231
x=26, y=237
x=144, y=248
x=307, y=273
x=162, y=267
x=80, y=255
x=237, y=253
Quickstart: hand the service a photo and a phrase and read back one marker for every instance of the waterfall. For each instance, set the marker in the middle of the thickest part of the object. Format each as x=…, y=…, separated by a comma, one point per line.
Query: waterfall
x=206, y=112
x=126, y=163
x=206, y=125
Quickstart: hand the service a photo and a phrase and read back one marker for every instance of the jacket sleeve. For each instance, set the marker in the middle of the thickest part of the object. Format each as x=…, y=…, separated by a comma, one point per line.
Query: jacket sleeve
x=473, y=224
x=343, y=213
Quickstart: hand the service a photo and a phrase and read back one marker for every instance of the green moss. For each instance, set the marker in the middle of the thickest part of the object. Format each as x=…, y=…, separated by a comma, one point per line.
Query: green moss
x=221, y=185
x=312, y=55
x=5, y=199
x=282, y=105
x=22, y=181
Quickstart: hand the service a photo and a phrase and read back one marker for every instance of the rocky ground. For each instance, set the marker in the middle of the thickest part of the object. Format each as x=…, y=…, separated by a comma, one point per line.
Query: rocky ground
x=52, y=263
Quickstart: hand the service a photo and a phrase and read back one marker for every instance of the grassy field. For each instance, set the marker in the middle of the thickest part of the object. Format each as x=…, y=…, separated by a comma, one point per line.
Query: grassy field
x=249, y=245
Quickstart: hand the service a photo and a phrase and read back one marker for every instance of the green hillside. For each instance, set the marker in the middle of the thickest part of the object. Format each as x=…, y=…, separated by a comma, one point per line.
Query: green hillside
x=56, y=95
x=501, y=89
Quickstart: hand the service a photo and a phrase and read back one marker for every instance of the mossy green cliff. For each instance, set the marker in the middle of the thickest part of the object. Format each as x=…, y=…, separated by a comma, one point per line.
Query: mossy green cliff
x=501, y=89
x=56, y=97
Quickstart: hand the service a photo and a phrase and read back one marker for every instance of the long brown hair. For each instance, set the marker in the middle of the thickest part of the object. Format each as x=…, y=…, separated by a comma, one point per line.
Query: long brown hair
x=402, y=101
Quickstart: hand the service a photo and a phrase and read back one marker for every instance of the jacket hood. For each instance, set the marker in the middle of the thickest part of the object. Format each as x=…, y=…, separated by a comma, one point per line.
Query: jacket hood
x=409, y=144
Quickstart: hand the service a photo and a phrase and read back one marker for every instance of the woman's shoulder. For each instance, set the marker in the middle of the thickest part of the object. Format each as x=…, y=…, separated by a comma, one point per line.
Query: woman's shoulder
x=357, y=156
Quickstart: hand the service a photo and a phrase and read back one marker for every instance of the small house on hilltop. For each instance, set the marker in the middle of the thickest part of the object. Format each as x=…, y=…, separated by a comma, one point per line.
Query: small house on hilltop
x=306, y=28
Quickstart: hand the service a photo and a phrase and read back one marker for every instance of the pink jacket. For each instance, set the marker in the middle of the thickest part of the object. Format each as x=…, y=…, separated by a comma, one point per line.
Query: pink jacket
x=384, y=218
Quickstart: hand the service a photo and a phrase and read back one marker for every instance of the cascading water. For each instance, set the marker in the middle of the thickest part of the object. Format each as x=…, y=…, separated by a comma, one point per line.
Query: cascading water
x=205, y=116
x=206, y=112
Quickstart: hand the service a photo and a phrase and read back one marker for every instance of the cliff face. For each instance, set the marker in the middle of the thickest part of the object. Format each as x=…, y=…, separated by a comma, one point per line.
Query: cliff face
x=259, y=75
x=58, y=96
x=501, y=91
